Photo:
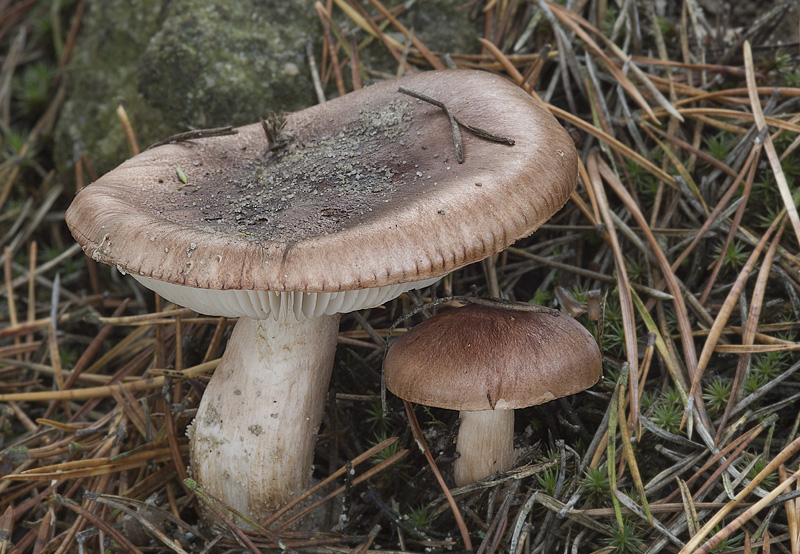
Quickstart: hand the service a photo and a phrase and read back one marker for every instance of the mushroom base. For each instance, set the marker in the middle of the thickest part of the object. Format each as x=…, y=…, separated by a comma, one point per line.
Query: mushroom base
x=485, y=444
x=252, y=441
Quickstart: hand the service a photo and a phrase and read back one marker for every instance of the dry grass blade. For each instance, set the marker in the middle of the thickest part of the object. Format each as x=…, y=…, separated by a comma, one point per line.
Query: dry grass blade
x=728, y=306
x=122, y=114
x=574, y=22
x=359, y=16
x=787, y=453
x=769, y=147
x=748, y=514
x=748, y=337
x=667, y=357
x=107, y=529
x=355, y=462
x=684, y=326
x=627, y=449
x=426, y=53
x=315, y=78
x=367, y=25
x=626, y=303
x=615, y=415
x=689, y=507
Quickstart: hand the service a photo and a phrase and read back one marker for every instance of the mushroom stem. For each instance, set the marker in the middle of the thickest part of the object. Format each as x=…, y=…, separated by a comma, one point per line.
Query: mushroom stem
x=485, y=444
x=260, y=413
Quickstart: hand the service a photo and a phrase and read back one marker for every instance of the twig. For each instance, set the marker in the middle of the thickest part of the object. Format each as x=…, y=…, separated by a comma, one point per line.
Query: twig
x=455, y=122
x=195, y=134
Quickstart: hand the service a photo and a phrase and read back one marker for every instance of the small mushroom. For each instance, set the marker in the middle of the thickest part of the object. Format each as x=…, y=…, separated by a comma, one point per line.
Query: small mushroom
x=487, y=361
x=360, y=200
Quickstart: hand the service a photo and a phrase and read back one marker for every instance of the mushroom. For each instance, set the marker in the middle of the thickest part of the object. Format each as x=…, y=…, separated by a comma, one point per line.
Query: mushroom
x=340, y=207
x=487, y=361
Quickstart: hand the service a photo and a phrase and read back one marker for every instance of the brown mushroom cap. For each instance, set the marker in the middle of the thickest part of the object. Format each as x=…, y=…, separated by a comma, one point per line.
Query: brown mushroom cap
x=484, y=358
x=367, y=193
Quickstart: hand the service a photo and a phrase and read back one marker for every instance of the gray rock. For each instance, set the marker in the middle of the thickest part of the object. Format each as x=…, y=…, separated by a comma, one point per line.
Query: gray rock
x=180, y=65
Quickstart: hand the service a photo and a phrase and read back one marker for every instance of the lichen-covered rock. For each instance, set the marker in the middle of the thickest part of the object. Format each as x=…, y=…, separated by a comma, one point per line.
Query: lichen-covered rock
x=178, y=65
x=181, y=65
x=229, y=63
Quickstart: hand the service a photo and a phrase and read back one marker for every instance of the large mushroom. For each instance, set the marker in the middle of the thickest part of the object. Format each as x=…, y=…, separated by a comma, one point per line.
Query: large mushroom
x=346, y=205
x=486, y=361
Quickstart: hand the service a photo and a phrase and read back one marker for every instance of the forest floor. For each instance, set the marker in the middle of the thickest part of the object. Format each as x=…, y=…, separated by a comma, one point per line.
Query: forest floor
x=679, y=250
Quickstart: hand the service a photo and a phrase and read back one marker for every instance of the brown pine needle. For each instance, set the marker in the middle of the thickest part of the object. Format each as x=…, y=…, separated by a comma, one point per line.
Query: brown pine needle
x=420, y=439
x=727, y=309
x=786, y=454
x=360, y=479
x=108, y=529
x=122, y=114
x=101, y=392
x=625, y=300
x=769, y=147
x=427, y=54
x=355, y=462
x=748, y=337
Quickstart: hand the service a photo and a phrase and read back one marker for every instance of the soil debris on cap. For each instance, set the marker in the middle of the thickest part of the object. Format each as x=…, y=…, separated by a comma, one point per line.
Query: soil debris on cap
x=308, y=188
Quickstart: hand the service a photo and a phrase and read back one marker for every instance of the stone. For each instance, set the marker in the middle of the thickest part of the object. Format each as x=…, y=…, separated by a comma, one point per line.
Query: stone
x=177, y=66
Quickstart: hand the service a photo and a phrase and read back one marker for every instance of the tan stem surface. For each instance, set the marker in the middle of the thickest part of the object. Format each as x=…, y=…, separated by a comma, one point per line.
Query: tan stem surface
x=485, y=444
x=254, y=435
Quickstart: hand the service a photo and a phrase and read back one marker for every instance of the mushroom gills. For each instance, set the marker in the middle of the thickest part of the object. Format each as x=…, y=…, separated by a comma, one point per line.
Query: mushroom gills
x=262, y=304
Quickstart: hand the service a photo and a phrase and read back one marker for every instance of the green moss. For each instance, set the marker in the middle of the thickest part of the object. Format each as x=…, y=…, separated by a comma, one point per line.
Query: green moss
x=16, y=454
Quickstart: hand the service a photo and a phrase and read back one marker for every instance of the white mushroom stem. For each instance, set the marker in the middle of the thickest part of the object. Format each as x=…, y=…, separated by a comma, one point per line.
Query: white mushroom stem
x=485, y=444
x=253, y=439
